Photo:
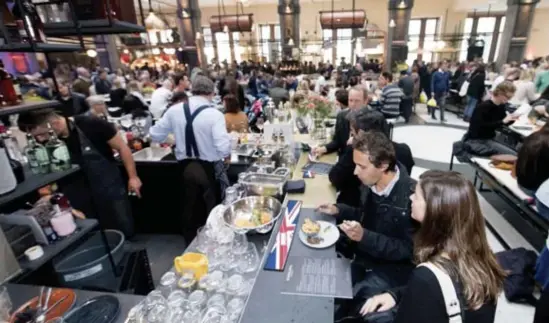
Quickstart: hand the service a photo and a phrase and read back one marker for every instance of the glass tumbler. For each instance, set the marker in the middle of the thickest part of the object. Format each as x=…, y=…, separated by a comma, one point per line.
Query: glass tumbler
x=196, y=300
x=168, y=283
x=177, y=299
x=5, y=304
x=155, y=298
x=187, y=282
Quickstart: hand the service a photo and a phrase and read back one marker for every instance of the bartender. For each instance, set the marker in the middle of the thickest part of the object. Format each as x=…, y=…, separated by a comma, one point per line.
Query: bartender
x=91, y=142
x=201, y=146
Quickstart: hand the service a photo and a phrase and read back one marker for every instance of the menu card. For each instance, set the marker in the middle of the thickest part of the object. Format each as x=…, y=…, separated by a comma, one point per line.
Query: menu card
x=323, y=277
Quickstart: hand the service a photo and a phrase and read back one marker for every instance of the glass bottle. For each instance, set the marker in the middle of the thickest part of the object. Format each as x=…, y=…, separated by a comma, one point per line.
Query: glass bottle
x=8, y=181
x=27, y=16
x=7, y=91
x=58, y=152
x=39, y=161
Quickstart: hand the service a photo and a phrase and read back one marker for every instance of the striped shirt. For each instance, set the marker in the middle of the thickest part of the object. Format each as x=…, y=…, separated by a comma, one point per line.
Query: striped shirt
x=390, y=98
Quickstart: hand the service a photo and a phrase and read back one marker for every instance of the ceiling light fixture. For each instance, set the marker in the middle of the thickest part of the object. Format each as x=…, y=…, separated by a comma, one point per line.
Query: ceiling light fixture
x=225, y=29
x=91, y=53
x=288, y=9
x=402, y=5
x=291, y=42
x=392, y=23
x=185, y=13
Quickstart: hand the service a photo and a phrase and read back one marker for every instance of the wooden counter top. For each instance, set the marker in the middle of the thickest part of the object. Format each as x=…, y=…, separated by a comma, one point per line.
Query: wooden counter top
x=318, y=190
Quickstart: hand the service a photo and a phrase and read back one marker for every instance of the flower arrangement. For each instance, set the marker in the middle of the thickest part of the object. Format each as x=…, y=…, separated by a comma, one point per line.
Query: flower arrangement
x=315, y=106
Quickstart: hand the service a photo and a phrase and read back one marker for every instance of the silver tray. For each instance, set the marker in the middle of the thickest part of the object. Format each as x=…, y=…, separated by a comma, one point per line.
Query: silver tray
x=245, y=150
x=264, y=184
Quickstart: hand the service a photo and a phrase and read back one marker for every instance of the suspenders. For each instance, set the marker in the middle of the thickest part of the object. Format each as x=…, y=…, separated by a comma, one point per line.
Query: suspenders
x=190, y=140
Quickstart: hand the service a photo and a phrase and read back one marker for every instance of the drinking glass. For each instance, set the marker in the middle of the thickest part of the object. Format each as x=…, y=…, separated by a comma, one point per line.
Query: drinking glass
x=196, y=300
x=231, y=195
x=158, y=314
x=187, y=282
x=230, y=261
x=177, y=315
x=234, y=285
x=136, y=314
x=249, y=261
x=203, y=241
x=5, y=304
x=177, y=299
x=154, y=299
x=235, y=306
x=216, y=300
x=168, y=283
x=240, y=244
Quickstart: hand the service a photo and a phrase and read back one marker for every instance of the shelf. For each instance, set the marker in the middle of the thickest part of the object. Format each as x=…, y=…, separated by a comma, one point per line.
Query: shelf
x=33, y=182
x=91, y=28
x=28, y=106
x=41, y=47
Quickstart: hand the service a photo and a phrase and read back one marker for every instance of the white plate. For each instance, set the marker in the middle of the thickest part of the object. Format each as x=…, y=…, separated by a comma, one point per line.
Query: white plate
x=329, y=236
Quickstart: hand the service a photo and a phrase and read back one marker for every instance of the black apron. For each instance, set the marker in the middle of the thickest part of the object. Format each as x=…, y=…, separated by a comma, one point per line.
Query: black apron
x=107, y=188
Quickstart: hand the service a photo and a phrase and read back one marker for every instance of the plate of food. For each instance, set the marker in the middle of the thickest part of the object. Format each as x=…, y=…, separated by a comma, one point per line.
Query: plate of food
x=318, y=234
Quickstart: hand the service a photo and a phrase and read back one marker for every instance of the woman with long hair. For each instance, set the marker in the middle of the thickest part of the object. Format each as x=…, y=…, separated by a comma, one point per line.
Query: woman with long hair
x=452, y=238
x=235, y=118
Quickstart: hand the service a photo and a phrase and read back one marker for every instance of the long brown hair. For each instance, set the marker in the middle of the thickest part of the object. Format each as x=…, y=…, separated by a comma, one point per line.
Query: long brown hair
x=453, y=232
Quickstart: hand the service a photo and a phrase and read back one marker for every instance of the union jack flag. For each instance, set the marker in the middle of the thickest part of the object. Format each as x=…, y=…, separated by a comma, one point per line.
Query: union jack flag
x=281, y=248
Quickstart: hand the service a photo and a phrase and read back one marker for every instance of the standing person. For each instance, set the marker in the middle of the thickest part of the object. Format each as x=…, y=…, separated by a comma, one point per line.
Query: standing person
x=440, y=85
x=201, y=145
x=542, y=78
x=391, y=96
x=278, y=93
x=102, y=85
x=98, y=108
x=160, y=98
x=71, y=103
x=232, y=87
x=489, y=116
x=91, y=142
x=526, y=90
x=235, y=119
x=407, y=85
x=118, y=93
x=451, y=240
x=356, y=98
x=181, y=83
x=134, y=100
x=83, y=82
x=475, y=91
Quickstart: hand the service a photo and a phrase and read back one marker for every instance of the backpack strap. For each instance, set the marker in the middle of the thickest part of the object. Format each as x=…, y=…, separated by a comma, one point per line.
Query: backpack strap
x=451, y=300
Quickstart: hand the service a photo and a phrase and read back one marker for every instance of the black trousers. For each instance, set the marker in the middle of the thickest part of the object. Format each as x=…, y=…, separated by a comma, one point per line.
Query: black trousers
x=200, y=194
x=406, y=108
x=542, y=308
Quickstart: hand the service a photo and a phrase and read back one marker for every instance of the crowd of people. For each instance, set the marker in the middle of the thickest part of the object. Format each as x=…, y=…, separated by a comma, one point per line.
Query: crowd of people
x=405, y=236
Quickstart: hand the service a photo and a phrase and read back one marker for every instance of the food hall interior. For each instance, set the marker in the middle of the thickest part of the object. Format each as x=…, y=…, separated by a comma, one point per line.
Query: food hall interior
x=278, y=161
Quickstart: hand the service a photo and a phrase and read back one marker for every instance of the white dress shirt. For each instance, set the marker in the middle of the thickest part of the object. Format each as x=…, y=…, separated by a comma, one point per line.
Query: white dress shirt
x=159, y=101
x=212, y=139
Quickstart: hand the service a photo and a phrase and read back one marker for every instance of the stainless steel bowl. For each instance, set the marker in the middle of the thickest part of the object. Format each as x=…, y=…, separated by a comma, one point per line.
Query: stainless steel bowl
x=245, y=206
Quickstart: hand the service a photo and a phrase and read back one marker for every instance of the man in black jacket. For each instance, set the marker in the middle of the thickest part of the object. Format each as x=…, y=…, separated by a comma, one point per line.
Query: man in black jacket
x=342, y=173
x=382, y=227
x=71, y=103
x=357, y=98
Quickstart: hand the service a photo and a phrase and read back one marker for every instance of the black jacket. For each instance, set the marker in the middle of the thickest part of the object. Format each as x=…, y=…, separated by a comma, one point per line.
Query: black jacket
x=117, y=97
x=132, y=103
x=345, y=181
x=76, y=104
x=476, y=85
x=102, y=86
x=341, y=134
x=387, y=244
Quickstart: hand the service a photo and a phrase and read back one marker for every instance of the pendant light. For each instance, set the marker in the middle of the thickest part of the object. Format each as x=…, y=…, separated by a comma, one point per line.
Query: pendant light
x=226, y=29
x=291, y=42
x=392, y=23
x=91, y=53
x=153, y=22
